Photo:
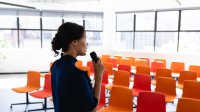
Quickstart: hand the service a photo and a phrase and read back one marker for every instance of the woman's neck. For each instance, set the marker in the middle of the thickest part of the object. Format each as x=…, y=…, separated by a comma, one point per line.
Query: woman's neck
x=71, y=53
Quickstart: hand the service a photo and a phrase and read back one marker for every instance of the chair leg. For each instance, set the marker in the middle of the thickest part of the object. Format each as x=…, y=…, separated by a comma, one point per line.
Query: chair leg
x=44, y=106
x=26, y=103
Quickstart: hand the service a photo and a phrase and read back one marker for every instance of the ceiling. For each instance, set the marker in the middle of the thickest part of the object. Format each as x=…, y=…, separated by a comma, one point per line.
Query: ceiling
x=101, y=5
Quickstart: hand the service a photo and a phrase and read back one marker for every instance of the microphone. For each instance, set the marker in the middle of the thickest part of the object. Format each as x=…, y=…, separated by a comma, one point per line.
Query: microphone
x=94, y=57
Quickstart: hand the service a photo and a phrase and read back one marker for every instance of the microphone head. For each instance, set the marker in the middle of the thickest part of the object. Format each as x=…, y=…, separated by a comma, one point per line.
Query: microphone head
x=94, y=57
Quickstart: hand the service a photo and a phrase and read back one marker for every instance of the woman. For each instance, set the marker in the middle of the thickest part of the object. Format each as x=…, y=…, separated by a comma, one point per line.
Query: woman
x=71, y=87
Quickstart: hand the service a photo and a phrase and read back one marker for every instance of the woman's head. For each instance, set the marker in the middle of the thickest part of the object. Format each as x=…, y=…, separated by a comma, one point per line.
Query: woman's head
x=70, y=35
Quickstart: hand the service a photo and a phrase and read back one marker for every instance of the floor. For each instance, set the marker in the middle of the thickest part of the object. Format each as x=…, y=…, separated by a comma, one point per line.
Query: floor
x=7, y=96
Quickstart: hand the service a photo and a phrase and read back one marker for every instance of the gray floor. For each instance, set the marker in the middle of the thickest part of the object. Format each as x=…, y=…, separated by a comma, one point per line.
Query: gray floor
x=7, y=96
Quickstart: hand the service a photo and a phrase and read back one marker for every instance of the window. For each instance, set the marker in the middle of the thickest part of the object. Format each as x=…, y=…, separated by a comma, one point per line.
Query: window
x=47, y=37
x=145, y=21
x=94, y=39
x=124, y=41
x=166, y=42
x=125, y=22
x=30, y=39
x=190, y=20
x=9, y=38
x=167, y=21
x=189, y=42
x=51, y=22
x=144, y=41
x=29, y=22
x=8, y=22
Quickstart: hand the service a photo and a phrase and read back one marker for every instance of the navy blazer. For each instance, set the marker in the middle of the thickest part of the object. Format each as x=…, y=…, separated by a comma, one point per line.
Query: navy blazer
x=71, y=87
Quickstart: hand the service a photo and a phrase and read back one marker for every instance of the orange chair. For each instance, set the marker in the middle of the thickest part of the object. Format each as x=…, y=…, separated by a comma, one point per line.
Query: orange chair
x=188, y=105
x=105, y=77
x=186, y=75
x=147, y=59
x=132, y=59
x=45, y=93
x=113, y=60
x=109, y=67
x=151, y=102
x=118, y=58
x=121, y=100
x=162, y=72
x=141, y=83
x=125, y=68
x=191, y=89
x=155, y=65
x=125, y=61
x=90, y=65
x=167, y=86
x=33, y=83
x=121, y=78
x=85, y=68
x=162, y=60
x=195, y=68
x=102, y=100
x=176, y=67
x=143, y=70
x=79, y=63
x=141, y=62
x=104, y=57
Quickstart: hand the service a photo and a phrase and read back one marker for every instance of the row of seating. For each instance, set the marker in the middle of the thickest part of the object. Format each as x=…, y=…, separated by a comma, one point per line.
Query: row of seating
x=121, y=100
x=32, y=88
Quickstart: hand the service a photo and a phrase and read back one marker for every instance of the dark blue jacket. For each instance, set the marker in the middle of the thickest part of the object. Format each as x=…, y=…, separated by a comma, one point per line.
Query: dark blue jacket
x=71, y=87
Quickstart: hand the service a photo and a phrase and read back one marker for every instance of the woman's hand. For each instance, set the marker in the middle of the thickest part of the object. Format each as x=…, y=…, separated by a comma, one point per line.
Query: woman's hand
x=98, y=69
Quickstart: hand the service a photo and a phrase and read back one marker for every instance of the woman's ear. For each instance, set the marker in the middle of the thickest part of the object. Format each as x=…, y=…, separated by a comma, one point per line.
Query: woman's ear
x=74, y=42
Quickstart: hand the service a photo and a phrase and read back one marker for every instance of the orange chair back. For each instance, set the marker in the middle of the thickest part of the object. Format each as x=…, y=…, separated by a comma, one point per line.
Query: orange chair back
x=105, y=57
x=187, y=75
x=176, y=67
x=125, y=61
x=33, y=79
x=121, y=78
x=166, y=85
x=141, y=62
x=109, y=67
x=118, y=58
x=195, y=68
x=143, y=70
x=132, y=59
x=113, y=60
x=85, y=68
x=147, y=59
x=156, y=65
x=162, y=72
x=125, y=68
x=162, y=60
x=188, y=105
x=191, y=89
x=79, y=63
x=151, y=102
x=121, y=99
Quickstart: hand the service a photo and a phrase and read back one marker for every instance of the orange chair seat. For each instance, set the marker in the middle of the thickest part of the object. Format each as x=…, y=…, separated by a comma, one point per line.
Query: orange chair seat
x=153, y=82
x=109, y=87
x=41, y=94
x=136, y=91
x=111, y=109
x=169, y=98
x=24, y=89
x=180, y=86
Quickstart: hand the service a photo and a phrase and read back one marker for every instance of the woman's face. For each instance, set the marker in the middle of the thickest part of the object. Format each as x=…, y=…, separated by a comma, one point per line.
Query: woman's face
x=82, y=46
